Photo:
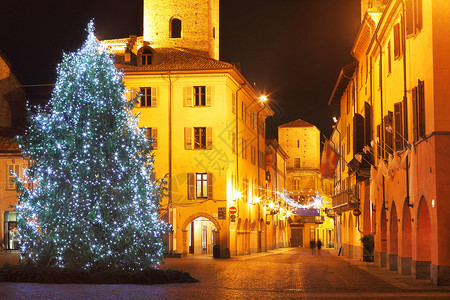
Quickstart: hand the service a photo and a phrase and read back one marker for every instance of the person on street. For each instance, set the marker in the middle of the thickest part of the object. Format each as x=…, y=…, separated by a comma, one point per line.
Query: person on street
x=312, y=244
x=319, y=245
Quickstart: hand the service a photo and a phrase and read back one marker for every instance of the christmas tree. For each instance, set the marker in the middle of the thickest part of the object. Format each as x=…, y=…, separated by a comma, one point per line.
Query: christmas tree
x=87, y=200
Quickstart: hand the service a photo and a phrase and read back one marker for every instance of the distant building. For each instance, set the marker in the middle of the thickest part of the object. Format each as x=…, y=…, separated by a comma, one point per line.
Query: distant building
x=394, y=138
x=208, y=129
x=301, y=141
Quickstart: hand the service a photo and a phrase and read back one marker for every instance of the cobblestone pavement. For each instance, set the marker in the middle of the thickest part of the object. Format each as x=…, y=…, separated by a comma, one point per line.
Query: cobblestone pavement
x=291, y=273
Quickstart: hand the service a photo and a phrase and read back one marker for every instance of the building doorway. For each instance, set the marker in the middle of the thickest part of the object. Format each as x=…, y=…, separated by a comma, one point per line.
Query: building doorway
x=201, y=236
x=296, y=237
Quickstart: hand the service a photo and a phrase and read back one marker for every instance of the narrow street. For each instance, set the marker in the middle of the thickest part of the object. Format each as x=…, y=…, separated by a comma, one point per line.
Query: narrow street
x=291, y=273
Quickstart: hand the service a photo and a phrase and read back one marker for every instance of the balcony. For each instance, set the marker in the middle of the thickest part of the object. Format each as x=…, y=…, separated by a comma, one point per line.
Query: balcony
x=344, y=201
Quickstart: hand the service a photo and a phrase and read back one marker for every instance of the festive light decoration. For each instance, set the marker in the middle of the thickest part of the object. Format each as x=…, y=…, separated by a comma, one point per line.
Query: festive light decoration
x=87, y=200
x=317, y=203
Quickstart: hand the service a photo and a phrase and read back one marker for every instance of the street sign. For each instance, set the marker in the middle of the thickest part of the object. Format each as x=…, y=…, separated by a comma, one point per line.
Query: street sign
x=233, y=218
x=222, y=213
x=356, y=212
x=233, y=210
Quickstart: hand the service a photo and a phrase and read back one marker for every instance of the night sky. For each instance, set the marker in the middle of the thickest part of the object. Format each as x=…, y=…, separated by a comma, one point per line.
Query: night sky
x=292, y=50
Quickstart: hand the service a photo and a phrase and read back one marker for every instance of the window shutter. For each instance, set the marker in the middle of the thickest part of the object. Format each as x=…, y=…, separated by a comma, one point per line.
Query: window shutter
x=233, y=142
x=233, y=103
x=388, y=144
x=398, y=126
x=379, y=154
x=155, y=138
x=414, y=103
x=397, y=41
x=142, y=95
x=210, y=186
x=409, y=18
x=209, y=95
x=155, y=92
x=418, y=15
x=421, y=109
x=367, y=123
x=208, y=138
x=405, y=119
x=358, y=133
x=188, y=96
x=188, y=138
x=191, y=186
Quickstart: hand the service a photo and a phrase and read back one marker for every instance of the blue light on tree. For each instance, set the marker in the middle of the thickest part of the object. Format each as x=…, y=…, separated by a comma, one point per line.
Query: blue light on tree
x=87, y=200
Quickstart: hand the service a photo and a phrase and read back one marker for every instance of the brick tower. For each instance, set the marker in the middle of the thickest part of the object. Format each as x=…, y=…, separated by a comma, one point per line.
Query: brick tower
x=189, y=24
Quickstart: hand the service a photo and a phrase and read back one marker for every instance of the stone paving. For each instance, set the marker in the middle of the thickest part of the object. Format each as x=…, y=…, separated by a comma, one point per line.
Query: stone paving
x=291, y=273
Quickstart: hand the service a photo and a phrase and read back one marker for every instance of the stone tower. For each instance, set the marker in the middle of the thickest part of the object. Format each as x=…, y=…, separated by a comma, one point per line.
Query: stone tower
x=189, y=24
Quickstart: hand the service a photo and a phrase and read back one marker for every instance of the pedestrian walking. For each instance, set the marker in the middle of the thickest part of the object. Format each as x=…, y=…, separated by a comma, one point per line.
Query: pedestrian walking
x=312, y=244
x=319, y=245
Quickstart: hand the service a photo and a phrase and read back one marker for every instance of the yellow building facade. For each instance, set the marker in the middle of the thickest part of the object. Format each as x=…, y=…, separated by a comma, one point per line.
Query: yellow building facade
x=207, y=124
x=393, y=136
x=301, y=141
x=11, y=96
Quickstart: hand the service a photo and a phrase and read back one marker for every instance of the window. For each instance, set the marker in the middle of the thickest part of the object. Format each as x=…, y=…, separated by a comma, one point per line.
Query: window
x=297, y=163
x=146, y=57
x=296, y=184
x=397, y=42
x=418, y=102
x=253, y=154
x=201, y=185
x=175, y=28
x=149, y=97
x=199, y=137
x=244, y=111
x=10, y=232
x=244, y=148
x=245, y=190
x=152, y=133
x=389, y=136
x=233, y=142
x=10, y=179
x=298, y=144
x=398, y=125
x=389, y=57
x=413, y=17
x=233, y=103
x=199, y=95
x=348, y=139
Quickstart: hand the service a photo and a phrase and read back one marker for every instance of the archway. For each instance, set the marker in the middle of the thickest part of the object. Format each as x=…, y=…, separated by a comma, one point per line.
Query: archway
x=239, y=237
x=393, y=239
x=246, y=244
x=421, y=266
x=350, y=236
x=406, y=245
x=253, y=237
x=200, y=233
x=261, y=236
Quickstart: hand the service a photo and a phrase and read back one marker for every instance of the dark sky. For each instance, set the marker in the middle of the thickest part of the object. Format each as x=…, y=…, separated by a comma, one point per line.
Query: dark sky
x=292, y=49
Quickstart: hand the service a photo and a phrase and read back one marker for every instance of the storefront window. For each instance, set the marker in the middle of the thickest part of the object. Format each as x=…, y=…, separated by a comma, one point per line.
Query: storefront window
x=11, y=235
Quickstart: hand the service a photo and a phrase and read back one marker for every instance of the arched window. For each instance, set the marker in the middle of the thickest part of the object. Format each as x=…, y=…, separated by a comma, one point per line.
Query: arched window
x=146, y=57
x=175, y=28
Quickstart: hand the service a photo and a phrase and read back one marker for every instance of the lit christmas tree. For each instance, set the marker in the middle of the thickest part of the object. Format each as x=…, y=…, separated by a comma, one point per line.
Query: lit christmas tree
x=87, y=200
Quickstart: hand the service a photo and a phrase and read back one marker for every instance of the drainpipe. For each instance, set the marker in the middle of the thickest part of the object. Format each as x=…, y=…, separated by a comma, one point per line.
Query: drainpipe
x=242, y=85
x=170, y=208
x=405, y=99
x=381, y=110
